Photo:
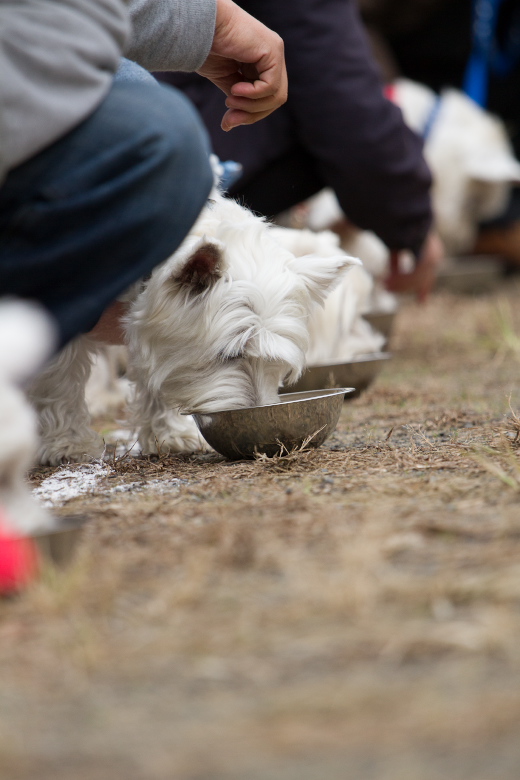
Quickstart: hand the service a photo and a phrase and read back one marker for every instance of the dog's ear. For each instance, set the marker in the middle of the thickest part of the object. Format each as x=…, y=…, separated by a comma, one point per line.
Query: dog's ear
x=322, y=274
x=203, y=266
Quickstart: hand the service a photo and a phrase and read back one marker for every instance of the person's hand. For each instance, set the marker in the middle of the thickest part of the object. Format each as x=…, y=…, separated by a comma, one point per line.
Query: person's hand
x=246, y=62
x=422, y=279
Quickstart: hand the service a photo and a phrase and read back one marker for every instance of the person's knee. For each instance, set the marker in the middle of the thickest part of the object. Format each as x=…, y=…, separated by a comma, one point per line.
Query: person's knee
x=171, y=144
x=131, y=72
x=183, y=138
x=105, y=204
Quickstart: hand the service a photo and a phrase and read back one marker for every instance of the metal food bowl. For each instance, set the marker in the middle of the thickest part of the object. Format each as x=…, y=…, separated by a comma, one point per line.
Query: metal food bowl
x=58, y=544
x=298, y=419
x=358, y=373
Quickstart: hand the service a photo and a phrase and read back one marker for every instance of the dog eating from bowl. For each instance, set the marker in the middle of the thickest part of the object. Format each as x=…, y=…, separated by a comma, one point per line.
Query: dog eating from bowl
x=221, y=324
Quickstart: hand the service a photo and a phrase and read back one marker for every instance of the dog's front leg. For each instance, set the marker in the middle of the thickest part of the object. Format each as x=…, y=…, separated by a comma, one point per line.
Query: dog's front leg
x=58, y=395
x=163, y=430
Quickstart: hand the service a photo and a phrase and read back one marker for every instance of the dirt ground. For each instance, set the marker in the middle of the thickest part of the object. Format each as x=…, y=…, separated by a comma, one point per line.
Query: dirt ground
x=353, y=612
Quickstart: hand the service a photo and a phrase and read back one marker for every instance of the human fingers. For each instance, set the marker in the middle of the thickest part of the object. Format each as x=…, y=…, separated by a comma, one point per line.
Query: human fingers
x=425, y=282
x=226, y=75
x=265, y=78
x=422, y=279
x=420, y=282
x=260, y=101
x=233, y=118
x=247, y=62
x=397, y=281
x=430, y=261
x=249, y=105
x=243, y=110
x=257, y=49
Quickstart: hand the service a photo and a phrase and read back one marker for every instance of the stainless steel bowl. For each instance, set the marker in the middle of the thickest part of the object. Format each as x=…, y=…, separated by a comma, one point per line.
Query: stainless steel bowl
x=359, y=374
x=274, y=429
x=58, y=544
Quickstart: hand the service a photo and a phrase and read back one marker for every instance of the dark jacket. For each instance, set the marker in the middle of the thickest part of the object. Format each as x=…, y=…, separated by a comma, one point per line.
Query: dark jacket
x=337, y=125
x=391, y=16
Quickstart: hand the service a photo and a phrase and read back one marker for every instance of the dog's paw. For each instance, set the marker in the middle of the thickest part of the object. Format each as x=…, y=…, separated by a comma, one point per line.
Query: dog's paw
x=66, y=450
x=184, y=436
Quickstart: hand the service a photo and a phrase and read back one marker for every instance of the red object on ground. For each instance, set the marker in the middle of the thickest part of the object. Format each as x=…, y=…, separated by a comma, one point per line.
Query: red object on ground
x=18, y=560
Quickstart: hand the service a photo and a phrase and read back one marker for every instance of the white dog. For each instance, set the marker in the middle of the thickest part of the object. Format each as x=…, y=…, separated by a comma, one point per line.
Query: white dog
x=469, y=154
x=26, y=337
x=337, y=329
x=219, y=325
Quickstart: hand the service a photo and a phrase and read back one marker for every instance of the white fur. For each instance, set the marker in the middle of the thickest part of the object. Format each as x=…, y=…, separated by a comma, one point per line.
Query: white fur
x=108, y=388
x=337, y=330
x=322, y=211
x=26, y=337
x=375, y=257
x=219, y=325
x=471, y=160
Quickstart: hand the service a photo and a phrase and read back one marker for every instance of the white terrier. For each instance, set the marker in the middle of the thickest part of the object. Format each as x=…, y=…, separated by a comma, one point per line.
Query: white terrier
x=219, y=325
x=469, y=154
x=337, y=329
x=26, y=338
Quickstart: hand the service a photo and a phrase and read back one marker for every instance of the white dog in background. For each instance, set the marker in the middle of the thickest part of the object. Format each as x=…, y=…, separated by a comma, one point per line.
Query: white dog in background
x=337, y=330
x=219, y=325
x=469, y=154
x=26, y=339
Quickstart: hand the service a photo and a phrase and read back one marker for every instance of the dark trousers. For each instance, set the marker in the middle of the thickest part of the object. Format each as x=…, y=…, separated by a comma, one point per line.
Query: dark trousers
x=101, y=207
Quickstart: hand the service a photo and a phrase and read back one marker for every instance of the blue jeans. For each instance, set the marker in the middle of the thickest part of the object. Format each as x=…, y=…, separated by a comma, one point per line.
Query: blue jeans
x=101, y=207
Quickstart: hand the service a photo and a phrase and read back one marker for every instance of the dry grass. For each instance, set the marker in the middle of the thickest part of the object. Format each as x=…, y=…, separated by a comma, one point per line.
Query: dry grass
x=351, y=611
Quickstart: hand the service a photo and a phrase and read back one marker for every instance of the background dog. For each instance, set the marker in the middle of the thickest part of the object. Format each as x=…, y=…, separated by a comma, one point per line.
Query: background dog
x=473, y=168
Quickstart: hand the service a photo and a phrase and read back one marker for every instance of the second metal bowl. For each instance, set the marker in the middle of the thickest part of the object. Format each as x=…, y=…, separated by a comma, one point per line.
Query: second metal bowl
x=358, y=373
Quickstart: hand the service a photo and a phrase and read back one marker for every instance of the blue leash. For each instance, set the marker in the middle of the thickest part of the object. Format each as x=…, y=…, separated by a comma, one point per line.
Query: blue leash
x=486, y=56
x=432, y=118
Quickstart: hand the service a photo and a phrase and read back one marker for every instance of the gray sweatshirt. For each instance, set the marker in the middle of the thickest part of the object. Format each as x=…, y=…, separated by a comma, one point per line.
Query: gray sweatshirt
x=58, y=58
